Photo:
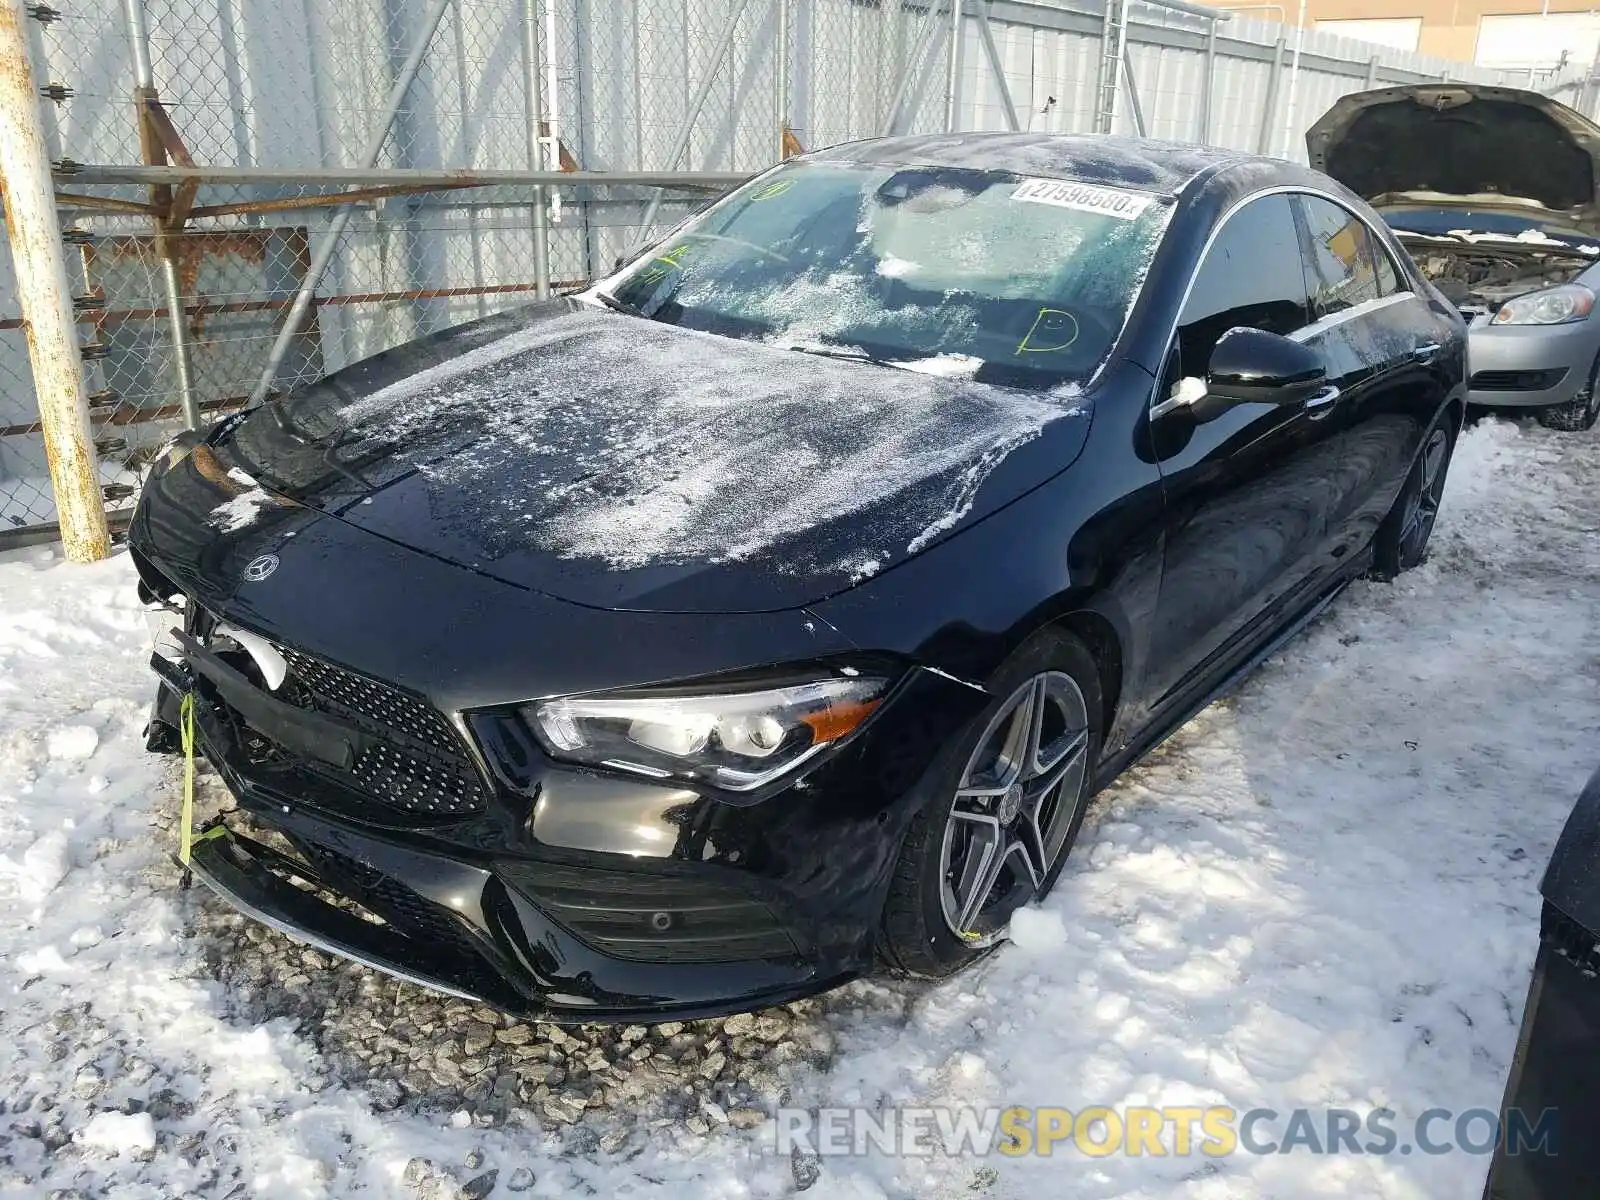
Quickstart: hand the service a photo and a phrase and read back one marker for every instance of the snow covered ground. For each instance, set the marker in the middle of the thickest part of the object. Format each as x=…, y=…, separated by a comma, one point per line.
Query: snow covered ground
x=1321, y=892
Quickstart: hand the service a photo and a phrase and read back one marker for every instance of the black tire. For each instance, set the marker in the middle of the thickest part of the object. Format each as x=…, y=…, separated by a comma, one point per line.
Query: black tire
x=1580, y=412
x=915, y=937
x=1402, y=540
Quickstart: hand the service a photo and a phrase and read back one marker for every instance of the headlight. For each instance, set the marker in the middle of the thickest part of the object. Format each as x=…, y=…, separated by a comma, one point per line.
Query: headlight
x=734, y=739
x=1553, y=306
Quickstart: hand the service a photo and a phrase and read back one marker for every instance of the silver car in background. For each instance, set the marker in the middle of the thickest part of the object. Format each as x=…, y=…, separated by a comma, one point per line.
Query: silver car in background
x=1493, y=192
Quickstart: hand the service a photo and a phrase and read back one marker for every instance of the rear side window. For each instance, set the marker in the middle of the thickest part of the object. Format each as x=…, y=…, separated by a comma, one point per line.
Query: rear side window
x=1253, y=275
x=1390, y=280
x=1346, y=267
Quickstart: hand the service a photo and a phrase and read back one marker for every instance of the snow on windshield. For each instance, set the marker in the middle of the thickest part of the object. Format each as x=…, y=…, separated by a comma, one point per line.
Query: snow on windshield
x=912, y=263
x=636, y=443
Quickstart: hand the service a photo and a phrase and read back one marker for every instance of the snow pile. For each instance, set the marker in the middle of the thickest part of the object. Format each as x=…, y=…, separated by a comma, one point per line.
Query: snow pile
x=72, y=742
x=120, y=1133
x=1322, y=891
x=40, y=867
x=1038, y=930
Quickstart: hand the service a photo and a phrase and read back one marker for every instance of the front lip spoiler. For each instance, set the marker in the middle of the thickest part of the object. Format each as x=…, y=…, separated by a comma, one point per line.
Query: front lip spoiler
x=232, y=866
x=262, y=896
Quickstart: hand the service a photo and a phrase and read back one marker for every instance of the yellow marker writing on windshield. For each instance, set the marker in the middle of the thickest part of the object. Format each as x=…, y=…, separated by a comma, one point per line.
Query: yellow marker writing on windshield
x=768, y=191
x=1055, y=329
x=657, y=270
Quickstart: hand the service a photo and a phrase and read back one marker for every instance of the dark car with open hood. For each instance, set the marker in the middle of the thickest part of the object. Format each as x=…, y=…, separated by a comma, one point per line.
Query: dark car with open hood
x=769, y=611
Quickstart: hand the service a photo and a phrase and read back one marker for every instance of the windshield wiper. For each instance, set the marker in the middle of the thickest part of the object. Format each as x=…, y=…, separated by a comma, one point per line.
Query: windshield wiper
x=615, y=305
x=841, y=352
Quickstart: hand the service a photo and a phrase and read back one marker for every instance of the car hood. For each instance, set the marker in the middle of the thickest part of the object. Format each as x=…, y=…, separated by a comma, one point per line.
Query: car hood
x=622, y=463
x=1469, y=146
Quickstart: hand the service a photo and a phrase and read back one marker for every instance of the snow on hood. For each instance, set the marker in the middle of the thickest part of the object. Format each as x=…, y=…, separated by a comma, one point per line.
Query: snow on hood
x=630, y=444
x=1528, y=237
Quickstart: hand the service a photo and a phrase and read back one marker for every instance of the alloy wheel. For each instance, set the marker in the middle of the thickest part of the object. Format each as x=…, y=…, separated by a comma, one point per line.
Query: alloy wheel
x=1422, y=502
x=1014, y=807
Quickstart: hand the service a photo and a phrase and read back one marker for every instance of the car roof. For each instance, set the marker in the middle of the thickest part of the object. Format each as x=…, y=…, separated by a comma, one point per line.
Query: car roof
x=1145, y=164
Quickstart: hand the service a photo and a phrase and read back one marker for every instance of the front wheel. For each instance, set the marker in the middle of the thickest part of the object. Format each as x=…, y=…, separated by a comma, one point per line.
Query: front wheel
x=1009, y=801
x=1580, y=412
x=1402, y=540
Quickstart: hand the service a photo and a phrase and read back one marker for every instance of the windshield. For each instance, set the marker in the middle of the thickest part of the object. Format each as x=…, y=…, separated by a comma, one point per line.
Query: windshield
x=1442, y=222
x=984, y=274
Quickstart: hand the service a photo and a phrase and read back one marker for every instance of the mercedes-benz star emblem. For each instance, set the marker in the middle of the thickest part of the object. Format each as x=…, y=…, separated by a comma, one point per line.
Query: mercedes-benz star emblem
x=260, y=567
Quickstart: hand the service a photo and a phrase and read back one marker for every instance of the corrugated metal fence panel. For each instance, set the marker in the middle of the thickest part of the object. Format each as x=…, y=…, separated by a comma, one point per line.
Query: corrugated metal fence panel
x=303, y=84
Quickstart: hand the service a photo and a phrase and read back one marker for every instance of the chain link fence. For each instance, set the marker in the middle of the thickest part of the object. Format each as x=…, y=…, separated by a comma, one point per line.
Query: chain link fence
x=213, y=155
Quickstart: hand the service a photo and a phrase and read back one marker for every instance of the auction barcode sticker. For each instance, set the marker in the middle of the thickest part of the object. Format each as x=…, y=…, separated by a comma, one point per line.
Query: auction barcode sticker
x=1085, y=197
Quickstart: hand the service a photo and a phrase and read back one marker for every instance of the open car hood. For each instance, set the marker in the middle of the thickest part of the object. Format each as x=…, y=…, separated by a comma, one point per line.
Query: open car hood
x=1462, y=145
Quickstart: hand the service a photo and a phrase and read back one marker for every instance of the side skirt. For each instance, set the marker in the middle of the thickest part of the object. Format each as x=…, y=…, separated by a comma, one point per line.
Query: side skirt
x=1161, y=730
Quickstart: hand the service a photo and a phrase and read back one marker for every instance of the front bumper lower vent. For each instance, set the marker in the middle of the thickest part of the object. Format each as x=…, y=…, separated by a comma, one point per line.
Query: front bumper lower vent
x=652, y=918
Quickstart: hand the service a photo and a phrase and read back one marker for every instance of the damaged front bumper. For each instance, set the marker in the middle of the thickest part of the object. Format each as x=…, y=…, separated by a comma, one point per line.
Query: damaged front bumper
x=535, y=930
x=257, y=880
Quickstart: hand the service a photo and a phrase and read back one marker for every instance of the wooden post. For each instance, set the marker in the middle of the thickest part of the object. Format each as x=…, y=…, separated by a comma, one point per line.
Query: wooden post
x=39, y=258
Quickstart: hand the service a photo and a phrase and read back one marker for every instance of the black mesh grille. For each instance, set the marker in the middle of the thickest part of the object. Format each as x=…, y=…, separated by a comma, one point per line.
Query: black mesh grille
x=387, y=707
x=416, y=762
x=397, y=904
x=416, y=783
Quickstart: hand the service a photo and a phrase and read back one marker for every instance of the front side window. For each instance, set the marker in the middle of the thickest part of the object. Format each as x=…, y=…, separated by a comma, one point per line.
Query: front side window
x=1252, y=275
x=1343, y=258
x=1006, y=279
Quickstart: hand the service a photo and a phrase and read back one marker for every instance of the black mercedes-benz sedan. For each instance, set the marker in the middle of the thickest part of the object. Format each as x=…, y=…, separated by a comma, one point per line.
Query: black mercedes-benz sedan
x=771, y=610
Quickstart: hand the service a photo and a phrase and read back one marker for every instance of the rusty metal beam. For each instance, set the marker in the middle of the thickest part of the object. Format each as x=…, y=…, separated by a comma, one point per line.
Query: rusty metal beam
x=206, y=308
x=161, y=127
x=291, y=203
x=106, y=203
x=135, y=416
x=182, y=206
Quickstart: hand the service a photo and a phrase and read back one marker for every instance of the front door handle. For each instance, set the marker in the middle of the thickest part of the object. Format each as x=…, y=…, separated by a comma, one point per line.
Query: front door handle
x=1320, y=399
x=1424, y=354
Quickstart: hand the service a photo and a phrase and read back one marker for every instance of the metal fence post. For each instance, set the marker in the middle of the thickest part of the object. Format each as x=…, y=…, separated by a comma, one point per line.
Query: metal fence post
x=144, y=85
x=780, y=78
x=1294, y=82
x=1264, y=136
x=998, y=66
x=39, y=257
x=680, y=144
x=341, y=219
x=952, y=96
x=530, y=82
x=915, y=71
x=1372, y=73
x=1134, y=106
x=1207, y=85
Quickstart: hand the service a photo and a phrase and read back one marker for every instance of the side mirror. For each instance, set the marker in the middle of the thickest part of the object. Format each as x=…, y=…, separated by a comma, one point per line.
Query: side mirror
x=1248, y=366
x=1252, y=366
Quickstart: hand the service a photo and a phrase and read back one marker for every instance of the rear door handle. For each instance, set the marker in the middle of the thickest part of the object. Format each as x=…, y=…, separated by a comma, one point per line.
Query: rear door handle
x=1424, y=354
x=1320, y=399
